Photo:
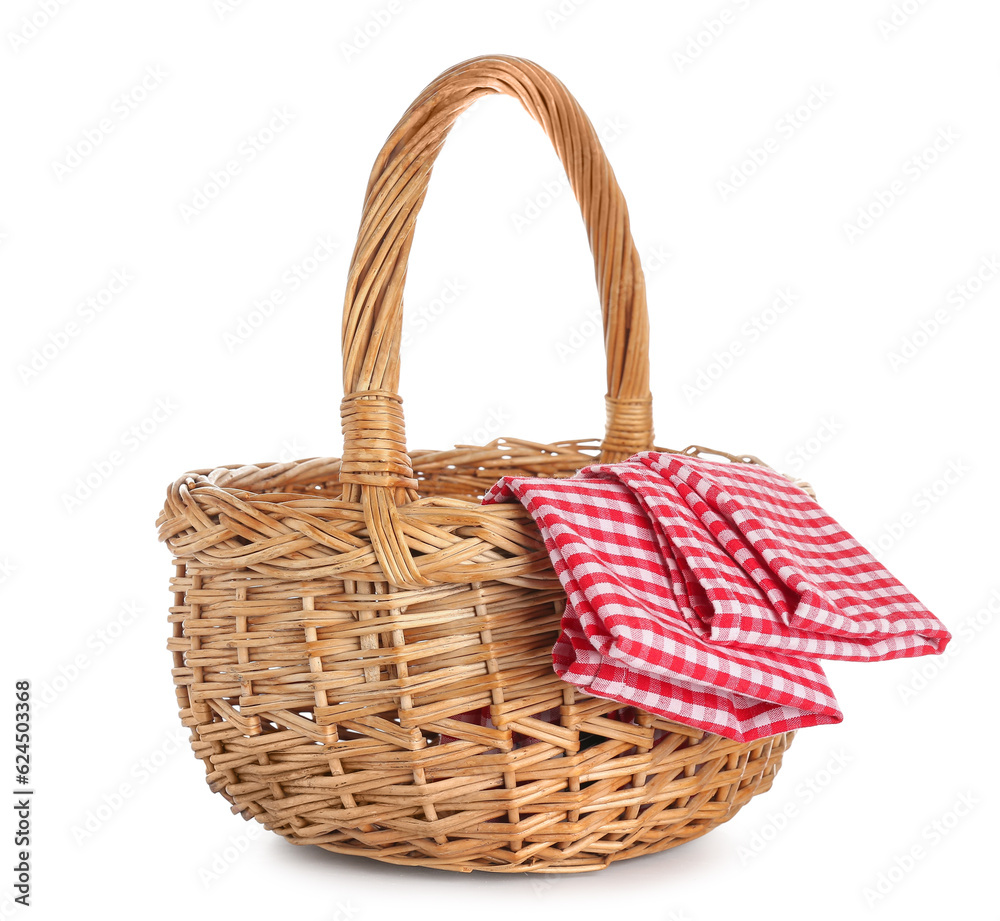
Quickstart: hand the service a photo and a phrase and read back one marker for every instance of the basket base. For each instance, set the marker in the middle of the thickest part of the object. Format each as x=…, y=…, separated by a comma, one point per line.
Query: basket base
x=595, y=851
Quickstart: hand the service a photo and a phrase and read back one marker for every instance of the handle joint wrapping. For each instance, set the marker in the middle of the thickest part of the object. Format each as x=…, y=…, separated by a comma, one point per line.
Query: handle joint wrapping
x=374, y=440
x=628, y=428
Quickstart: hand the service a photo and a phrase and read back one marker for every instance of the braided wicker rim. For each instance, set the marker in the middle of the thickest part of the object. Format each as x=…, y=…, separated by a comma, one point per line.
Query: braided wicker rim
x=363, y=651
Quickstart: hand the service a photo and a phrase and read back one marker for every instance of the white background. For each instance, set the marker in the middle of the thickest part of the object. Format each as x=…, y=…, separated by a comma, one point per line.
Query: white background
x=814, y=394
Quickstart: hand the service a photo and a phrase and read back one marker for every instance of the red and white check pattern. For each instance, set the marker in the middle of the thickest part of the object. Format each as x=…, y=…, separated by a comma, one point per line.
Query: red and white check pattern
x=704, y=591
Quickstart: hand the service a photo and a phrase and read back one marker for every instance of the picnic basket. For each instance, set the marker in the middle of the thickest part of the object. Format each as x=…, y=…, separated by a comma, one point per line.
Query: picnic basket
x=363, y=652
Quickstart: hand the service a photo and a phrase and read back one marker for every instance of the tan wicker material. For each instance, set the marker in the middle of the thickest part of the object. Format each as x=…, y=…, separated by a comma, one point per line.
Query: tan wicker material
x=335, y=618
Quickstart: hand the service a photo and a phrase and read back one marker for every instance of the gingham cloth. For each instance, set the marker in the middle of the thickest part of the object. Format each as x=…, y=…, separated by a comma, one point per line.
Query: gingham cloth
x=704, y=591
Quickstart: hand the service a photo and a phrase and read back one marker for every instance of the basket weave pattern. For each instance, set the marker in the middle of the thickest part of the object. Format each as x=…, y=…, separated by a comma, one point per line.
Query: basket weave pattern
x=336, y=621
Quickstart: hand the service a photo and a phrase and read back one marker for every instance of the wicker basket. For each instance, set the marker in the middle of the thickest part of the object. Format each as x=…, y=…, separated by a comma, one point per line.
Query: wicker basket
x=363, y=652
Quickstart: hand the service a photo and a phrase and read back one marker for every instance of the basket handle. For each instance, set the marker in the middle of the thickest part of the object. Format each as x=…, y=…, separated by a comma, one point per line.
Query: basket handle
x=375, y=467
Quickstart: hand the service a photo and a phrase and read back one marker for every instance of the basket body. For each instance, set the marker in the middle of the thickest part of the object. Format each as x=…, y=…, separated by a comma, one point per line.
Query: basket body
x=363, y=651
x=335, y=708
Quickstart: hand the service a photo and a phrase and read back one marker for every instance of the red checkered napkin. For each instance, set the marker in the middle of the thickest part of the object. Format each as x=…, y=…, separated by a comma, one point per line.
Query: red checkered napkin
x=703, y=591
x=825, y=595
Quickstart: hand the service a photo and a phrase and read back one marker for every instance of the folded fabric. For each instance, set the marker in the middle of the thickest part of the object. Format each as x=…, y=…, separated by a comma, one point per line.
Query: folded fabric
x=704, y=591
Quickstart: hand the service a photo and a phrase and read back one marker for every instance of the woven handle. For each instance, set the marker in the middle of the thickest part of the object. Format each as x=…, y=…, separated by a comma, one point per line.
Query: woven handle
x=375, y=467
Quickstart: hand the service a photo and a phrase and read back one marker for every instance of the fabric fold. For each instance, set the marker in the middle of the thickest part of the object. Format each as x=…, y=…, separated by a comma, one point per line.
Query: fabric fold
x=704, y=592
